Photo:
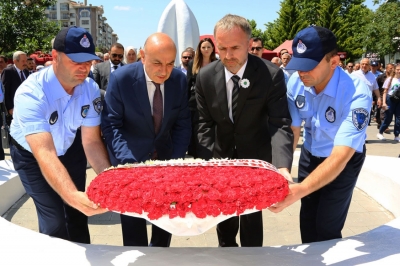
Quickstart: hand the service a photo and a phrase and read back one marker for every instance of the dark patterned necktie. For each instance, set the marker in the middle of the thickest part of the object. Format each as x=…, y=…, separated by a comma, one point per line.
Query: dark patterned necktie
x=115, y=67
x=22, y=77
x=235, y=95
x=157, y=108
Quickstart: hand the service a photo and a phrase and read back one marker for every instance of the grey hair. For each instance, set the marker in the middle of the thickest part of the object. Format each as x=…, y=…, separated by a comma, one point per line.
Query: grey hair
x=279, y=60
x=287, y=54
x=228, y=22
x=17, y=54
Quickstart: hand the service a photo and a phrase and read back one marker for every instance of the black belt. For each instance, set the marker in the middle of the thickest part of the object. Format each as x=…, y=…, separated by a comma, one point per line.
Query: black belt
x=17, y=145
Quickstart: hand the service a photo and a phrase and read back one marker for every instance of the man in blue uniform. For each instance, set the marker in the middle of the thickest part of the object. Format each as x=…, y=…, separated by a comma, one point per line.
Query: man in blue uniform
x=335, y=109
x=56, y=126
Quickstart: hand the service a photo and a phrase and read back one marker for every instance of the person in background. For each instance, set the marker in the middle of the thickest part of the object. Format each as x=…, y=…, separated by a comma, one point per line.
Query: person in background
x=2, y=157
x=130, y=55
x=3, y=63
x=257, y=47
x=356, y=66
x=205, y=54
x=349, y=67
x=186, y=56
x=276, y=61
x=380, y=113
x=106, y=57
x=30, y=65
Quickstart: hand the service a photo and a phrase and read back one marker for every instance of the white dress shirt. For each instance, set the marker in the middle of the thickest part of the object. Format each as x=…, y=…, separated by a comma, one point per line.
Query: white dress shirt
x=229, y=86
x=151, y=88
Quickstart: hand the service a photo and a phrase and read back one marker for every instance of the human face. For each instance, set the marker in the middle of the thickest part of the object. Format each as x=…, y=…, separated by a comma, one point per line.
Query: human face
x=206, y=49
x=285, y=59
x=3, y=64
x=389, y=69
x=69, y=73
x=397, y=71
x=30, y=65
x=116, y=55
x=158, y=63
x=21, y=63
x=350, y=67
x=374, y=69
x=283, y=52
x=233, y=48
x=320, y=75
x=131, y=56
x=106, y=56
x=185, y=58
x=357, y=66
x=256, y=48
x=365, y=65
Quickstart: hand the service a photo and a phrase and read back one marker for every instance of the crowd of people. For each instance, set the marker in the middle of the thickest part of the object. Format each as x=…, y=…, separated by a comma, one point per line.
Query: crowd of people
x=130, y=106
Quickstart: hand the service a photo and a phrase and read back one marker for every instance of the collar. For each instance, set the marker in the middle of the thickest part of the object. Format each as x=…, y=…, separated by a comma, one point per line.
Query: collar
x=228, y=74
x=57, y=89
x=148, y=79
x=112, y=65
x=19, y=70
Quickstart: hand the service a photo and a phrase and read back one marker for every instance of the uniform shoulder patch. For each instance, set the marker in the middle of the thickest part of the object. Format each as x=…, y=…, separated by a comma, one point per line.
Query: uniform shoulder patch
x=300, y=101
x=98, y=105
x=330, y=115
x=360, y=117
x=53, y=118
x=85, y=110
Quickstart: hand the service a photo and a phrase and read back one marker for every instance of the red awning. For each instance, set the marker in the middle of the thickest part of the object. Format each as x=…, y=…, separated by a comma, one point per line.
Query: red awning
x=285, y=45
x=268, y=54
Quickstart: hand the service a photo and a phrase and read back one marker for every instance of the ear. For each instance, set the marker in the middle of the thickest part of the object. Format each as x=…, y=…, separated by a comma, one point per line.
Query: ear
x=334, y=62
x=142, y=55
x=249, y=45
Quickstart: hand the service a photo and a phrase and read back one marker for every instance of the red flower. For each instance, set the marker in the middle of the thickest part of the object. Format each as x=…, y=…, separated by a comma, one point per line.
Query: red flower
x=175, y=189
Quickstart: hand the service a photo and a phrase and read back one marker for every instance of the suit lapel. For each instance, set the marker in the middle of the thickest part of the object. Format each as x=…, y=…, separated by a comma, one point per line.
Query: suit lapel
x=142, y=96
x=168, y=100
x=244, y=92
x=220, y=89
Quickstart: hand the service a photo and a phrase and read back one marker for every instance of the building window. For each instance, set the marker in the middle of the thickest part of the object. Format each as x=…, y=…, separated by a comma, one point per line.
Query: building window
x=85, y=22
x=64, y=16
x=64, y=6
x=72, y=15
x=53, y=16
x=85, y=14
x=72, y=23
x=65, y=24
x=87, y=29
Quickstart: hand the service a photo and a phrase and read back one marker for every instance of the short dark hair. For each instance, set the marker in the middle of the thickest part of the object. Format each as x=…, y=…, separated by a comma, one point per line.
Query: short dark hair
x=283, y=49
x=29, y=59
x=331, y=54
x=257, y=39
x=4, y=58
x=117, y=45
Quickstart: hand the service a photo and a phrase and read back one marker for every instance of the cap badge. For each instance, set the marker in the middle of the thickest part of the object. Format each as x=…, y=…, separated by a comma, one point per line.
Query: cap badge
x=301, y=47
x=85, y=42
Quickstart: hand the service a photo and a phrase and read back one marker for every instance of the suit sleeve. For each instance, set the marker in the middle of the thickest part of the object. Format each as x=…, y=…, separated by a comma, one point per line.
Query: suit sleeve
x=181, y=129
x=280, y=121
x=112, y=118
x=96, y=75
x=6, y=78
x=206, y=132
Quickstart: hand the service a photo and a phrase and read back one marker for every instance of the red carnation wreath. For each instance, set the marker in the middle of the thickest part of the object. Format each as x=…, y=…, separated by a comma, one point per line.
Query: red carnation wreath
x=188, y=197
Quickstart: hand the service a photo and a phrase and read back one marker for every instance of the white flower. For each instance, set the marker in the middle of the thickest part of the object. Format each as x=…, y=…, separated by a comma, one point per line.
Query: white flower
x=244, y=83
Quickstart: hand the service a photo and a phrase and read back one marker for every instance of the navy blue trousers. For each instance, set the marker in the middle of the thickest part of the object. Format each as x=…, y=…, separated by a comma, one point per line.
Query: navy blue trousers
x=134, y=233
x=55, y=217
x=323, y=212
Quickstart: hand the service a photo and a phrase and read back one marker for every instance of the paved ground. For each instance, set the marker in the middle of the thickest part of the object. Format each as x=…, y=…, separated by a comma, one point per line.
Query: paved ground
x=279, y=229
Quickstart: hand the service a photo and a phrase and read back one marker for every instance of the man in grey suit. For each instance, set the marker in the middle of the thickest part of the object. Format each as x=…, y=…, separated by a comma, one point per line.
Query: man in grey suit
x=101, y=71
x=243, y=114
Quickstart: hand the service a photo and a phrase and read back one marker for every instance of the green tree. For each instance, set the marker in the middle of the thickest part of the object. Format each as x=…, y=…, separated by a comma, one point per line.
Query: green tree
x=24, y=26
x=383, y=33
x=285, y=26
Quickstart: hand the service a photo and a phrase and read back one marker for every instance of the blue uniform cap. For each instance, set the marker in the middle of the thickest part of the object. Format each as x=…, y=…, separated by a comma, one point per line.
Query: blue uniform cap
x=76, y=43
x=310, y=46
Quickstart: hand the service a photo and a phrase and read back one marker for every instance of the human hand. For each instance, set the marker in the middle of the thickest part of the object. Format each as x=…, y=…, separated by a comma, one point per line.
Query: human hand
x=379, y=103
x=286, y=174
x=296, y=192
x=384, y=106
x=82, y=203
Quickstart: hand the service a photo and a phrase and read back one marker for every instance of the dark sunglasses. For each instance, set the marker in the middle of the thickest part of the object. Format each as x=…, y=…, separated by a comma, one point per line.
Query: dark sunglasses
x=256, y=48
x=350, y=66
x=117, y=55
x=186, y=57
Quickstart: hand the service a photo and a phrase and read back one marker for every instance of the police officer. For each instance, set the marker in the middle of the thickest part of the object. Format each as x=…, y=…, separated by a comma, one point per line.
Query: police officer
x=56, y=123
x=335, y=109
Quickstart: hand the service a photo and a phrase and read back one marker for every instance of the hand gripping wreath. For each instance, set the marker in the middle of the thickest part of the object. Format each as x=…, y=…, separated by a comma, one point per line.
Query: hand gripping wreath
x=188, y=197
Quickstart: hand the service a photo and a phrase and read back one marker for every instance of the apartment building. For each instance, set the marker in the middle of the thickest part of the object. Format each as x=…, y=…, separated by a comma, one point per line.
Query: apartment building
x=72, y=13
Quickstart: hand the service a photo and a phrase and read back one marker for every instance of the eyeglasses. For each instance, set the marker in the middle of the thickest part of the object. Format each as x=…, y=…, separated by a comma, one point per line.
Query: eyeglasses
x=186, y=57
x=350, y=66
x=117, y=55
x=256, y=48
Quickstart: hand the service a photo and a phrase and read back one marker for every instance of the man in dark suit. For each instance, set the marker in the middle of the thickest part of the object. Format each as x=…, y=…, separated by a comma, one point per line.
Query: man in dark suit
x=245, y=120
x=145, y=117
x=101, y=71
x=12, y=77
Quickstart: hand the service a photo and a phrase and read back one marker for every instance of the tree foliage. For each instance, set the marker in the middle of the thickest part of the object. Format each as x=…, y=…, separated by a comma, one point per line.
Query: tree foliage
x=24, y=26
x=345, y=18
x=383, y=32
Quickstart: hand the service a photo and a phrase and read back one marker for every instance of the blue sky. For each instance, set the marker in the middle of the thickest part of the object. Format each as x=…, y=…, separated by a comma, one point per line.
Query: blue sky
x=135, y=20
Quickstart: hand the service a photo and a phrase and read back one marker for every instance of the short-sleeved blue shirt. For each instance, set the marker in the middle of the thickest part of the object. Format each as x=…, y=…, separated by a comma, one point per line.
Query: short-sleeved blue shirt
x=42, y=105
x=337, y=116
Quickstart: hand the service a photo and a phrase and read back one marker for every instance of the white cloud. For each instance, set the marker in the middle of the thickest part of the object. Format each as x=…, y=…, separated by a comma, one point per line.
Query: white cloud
x=122, y=8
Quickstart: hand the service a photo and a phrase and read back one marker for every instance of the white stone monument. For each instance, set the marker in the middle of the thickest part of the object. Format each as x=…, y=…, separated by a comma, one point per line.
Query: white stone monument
x=179, y=22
